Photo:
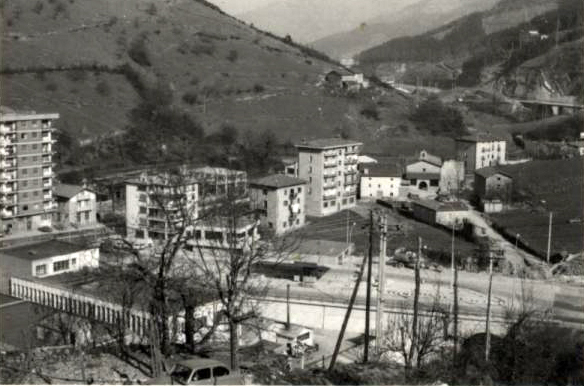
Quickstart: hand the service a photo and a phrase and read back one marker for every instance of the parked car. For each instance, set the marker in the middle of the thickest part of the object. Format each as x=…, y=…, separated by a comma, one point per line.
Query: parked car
x=200, y=371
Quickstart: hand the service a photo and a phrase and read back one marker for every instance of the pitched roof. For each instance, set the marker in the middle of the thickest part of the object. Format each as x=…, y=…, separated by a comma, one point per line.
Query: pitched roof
x=438, y=206
x=422, y=176
x=490, y=171
x=480, y=137
x=430, y=158
x=43, y=250
x=67, y=190
x=325, y=143
x=381, y=170
x=277, y=181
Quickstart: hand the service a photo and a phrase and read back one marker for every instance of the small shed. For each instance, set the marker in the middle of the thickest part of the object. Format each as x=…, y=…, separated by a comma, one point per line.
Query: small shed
x=492, y=183
x=439, y=213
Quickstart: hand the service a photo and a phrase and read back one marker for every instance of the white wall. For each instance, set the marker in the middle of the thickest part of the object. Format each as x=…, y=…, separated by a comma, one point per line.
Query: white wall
x=371, y=186
x=86, y=258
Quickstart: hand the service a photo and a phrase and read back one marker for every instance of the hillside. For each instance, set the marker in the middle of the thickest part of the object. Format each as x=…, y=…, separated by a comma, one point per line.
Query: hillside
x=412, y=20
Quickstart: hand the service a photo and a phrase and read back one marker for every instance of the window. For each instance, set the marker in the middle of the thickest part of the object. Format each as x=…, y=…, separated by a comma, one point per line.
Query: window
x=24, y=172
x=201, y=374
x=344, y=201
x=333, y=203
x=351, y=199
x=220, y=371
x=285, y=192
x=35, y=193
x=271, y=225
x=87, y=216
x=297, y=221
x=142, y=210
x=285, y=203
x=73, y=262
x=25, y=195
x=299, y=190
x=40, y=270
x=310, y=180
x=325, y=205
x=23, y=136
x=311, y=159
x=265, y=192
x=142, y=198
x=25, y=207
x=78, y=217
x=34, y=134
x=309, y=190
x=379, y=185
x=139, y=234
x=60, y=265
x=34, y=146
x=284, y=224
x=310, y=169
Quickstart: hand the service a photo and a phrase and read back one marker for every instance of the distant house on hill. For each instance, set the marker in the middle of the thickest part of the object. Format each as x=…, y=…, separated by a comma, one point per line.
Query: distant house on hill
x=425, y=172
x=333, y=79
x=354, y=82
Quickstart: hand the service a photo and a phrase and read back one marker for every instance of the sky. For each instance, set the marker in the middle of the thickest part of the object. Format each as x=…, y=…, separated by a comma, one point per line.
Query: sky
x=235, y=7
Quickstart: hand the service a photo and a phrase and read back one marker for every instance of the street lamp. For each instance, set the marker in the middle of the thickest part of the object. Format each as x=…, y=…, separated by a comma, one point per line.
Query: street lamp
x=517, y=236
x=351, y=232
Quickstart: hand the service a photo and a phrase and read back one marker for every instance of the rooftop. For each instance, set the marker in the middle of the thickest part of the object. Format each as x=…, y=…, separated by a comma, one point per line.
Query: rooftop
x=328, y=143
x=438, y=206
x=430, y=158
x=67, y=191
x=321, y=247
x=490, y=171
x=7, y=114
x=43, y=250
x=277, y=181
x=381, y=170
x=480, y=137
x=422, y=176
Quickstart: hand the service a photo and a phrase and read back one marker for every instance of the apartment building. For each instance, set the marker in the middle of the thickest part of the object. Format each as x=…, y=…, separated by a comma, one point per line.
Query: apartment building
x=26, y=170
x=217, y=184
x=156, y=205
x=330, y=168
x=76, y=205
x=480, y=150
x=279, y=199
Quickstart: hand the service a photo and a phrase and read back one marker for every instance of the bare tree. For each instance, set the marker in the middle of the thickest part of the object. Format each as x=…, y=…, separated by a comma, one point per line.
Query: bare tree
x=226, y=257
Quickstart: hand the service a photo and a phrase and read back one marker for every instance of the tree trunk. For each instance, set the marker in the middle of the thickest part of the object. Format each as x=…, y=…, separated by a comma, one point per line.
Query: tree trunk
x=189, y=327
x=233, y=344
x=161, y=314
x=413, y=346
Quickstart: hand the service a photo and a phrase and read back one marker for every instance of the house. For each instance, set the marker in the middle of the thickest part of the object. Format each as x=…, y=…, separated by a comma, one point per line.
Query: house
x=76, y=205
x=279, y=199
x=157, y=204
x=491, y=183
x=433, y=212
x=330, y=168
x=333, y=79
x=354, y=82
x=290, y=166
x=451, y=177
x=424, y=174
x=223, y=233
x=26, y=170
x=480, y=150
x=378, y=181
x=44, y=259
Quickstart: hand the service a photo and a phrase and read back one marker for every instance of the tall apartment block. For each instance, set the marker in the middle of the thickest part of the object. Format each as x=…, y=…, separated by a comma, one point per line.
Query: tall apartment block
x=330, y=168
x=26, y=170
x=156, y=204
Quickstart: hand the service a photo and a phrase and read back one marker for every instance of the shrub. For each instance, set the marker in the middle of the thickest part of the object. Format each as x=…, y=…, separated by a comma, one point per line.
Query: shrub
x=151, y=10
x=38, y=7
x=139, y=53
x=232, y=56
x=51, y=86
x=103, y=88
x=60, y=8
x=257, y=88
x=190, y=97
x=370, y=111
x=77, y=75
x=45, y=229
x=40, y=75
x=203, y=48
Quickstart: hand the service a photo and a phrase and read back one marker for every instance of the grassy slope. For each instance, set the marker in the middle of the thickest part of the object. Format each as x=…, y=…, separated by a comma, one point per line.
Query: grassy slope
x=559, y=183
x=188, y=44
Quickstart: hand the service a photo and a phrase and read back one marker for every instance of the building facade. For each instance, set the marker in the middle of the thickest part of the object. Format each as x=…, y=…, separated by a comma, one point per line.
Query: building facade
x=224, y=233
x=378, y=181
x=451, y=177
x=217, y=184
x=424, y=174
x=280, y=201
x=330, y=168
x=26, y=170
x=490, y=183
x=44, y=259
x=76, y=206
x=480, y=150
x=432, y=212
x=156, y=206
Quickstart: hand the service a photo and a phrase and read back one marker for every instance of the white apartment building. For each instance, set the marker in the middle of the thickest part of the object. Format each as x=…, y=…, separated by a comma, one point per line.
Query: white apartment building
x=330, y=168
x=26, y=170
x=156, y=205
x=480, y=150
x=379, y=181
x=280, y=201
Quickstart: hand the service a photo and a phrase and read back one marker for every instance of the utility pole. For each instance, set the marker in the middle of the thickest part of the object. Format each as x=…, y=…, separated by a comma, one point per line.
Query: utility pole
x=381, y=285
x=287, y=306
x=368, y=298
x=488, y=327
x=414, y=343
x=454, y=301
x=347, y=227
x=549, y=245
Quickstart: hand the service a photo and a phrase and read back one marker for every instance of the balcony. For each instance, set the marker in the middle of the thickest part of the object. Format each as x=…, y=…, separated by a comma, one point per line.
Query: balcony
x=5, y=189
x=8, y=201
x=48, y=206
x=330, y=163
x=330, y=173
x=47, y=197
x=329, y=185
x=47, y=184
x=351, y=160
x=7, y=213
x=47, y=160
x=351, y=181
x=8, y=164
x=5, y=129
x=329, y=196
x=7, y=177
x=351, y=150
x=350, y=172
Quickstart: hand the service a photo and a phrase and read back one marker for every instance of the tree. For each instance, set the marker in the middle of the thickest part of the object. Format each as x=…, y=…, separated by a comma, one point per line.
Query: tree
x=437, y=119
x=227, y=261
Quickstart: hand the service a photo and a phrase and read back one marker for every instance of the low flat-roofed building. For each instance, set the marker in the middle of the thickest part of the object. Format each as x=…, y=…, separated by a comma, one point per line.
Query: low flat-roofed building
x=216, y=233
x=44, y=259
x=325, y=252
x=434, y=212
